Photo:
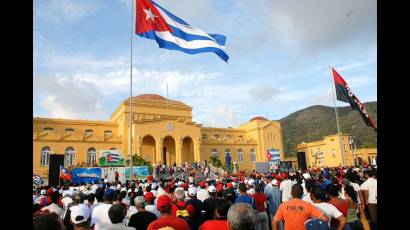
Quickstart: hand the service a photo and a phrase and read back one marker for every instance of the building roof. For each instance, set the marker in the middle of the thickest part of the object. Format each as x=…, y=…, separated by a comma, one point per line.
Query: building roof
x=150, y=96
x=258, y=118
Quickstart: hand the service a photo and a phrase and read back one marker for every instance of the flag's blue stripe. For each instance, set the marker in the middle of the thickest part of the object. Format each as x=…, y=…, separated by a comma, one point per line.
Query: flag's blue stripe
x=220, y=39
x=173, y=17
x=172, y=46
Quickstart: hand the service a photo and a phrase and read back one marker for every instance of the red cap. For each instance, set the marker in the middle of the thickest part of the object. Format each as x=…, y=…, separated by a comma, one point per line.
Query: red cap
x=202, y=184
x=229, y=185
x=164, y=203
x=150, y=178
x=235, y=179
x=185, y=185
x=49, y=191
x=277, y=177
x=149, y=196
x=285, y=176
x=219, y=187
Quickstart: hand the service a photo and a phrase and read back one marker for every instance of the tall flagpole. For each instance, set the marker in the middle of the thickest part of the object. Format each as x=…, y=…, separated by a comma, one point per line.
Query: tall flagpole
x=131, y=115
x=336, y=113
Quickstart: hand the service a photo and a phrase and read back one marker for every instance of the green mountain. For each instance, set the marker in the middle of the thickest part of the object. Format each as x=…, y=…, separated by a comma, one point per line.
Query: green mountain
x=315, y=122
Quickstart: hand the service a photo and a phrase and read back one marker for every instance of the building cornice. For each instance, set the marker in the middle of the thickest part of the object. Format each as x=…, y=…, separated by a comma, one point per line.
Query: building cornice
x=73, y=122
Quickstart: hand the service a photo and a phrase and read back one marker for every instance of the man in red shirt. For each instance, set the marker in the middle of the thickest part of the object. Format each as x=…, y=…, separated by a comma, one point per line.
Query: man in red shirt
x=261, y=205
x=164, y=204
x=180, y=204
x=221, y=213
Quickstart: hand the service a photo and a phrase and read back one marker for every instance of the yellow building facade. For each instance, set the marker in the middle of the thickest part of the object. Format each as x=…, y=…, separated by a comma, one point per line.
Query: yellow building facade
x=332, y=150
x=162, y=132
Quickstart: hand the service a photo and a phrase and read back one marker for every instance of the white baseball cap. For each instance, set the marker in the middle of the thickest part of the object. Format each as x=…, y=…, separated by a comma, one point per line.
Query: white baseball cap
x=80, y=213
x=306, y=176
x=250, y=181
x=43, y=192
x=211, y=188
x=274, y=182
x=192, y=191
x=124, y=189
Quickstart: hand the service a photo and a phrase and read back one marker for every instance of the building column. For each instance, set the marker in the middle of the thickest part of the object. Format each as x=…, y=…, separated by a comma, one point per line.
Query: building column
x=138, y=143
x=197, y=149
x=178, y=150
x=158, y=149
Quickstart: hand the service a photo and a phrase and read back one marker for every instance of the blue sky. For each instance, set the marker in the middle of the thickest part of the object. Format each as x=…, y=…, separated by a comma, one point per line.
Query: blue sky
x=280, y=52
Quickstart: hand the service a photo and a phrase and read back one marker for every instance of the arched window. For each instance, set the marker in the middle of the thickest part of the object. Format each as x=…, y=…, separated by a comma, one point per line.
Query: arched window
x=69, y=157
x=45, y=156
x=69, y=130
x=91, y=155
x=240, y=155
x=253, y=155
x=214, y=152
x=107, y=133
x=227, y=151
x=48, y=129
x=89, y=132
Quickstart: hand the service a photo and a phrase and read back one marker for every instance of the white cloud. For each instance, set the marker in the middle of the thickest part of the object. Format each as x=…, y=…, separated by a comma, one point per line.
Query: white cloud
x=66, y=97
x=55, y=12
x=263, y=92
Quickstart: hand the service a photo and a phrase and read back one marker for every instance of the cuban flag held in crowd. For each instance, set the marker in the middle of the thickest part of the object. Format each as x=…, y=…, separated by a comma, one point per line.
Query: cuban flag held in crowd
x=170, y=32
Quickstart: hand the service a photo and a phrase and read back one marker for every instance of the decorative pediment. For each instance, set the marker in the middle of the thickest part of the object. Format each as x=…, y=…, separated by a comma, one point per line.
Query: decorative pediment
x=112, y=138
x=72, y=136
x=93, y=137
x=239, y=141
x=48, y=135
x=251, y=141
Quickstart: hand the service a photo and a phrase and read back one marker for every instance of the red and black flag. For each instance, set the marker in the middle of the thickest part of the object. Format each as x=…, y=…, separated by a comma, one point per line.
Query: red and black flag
x=345, y=94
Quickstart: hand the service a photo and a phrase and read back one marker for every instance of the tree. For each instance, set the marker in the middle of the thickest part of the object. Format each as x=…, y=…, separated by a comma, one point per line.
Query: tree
x=139, y=161
x=215, y=161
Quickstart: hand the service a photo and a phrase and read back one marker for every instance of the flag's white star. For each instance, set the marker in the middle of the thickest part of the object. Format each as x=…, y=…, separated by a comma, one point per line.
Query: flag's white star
x=150, y=14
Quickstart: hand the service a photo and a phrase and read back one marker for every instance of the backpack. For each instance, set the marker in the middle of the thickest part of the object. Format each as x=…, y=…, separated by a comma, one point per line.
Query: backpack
x=182, y=212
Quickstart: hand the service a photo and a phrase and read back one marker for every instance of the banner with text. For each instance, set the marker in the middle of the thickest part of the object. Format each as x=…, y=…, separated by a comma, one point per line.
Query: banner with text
x=85, y=175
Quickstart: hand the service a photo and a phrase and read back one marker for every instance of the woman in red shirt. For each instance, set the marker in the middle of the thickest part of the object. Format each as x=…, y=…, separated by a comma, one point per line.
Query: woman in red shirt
x=261, y=205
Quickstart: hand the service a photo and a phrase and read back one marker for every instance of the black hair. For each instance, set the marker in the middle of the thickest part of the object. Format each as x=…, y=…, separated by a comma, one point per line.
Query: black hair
x=297, y=191
x=349, y=190
x=47, y=221
x=55, y=196
x=309, y=183
x=91, y=198
x=333, y=190
x=318, y=193
x=369, y=173
x=148, y=188
x=117, y=213
x=222, y=207
x=99, y=194
x=242, y=187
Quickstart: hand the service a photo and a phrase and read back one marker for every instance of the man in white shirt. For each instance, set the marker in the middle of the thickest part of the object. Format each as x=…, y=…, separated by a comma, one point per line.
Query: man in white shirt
x=286, y=188
x=99, y=216
x=54, y=207
x=202, y=194
x=308, y=185
x=328, y=209
x=369, y=188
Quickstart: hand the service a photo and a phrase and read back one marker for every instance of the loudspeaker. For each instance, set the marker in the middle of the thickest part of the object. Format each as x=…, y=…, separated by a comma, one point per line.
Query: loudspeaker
x=54, y=169
x=301, y=156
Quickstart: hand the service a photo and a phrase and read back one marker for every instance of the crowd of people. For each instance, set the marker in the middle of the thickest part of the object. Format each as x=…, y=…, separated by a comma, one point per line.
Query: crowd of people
x=326, y=198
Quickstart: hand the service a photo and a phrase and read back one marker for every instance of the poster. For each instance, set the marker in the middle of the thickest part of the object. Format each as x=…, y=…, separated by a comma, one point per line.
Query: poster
x=37, y=180
x=141, y=172
x=110, y=158
x=85, y=175
x=109, y=173
x=273, y=158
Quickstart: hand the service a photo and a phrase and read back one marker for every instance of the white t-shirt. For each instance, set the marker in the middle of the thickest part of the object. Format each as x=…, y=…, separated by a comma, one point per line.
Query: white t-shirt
x=286, y=188
x=153, y=209
x=66, y=201
x=202, y=195
x=370, y=185
x=54, y=208
x=356, y=187
x=306, y=198
x=329, y=210
x=99, y=216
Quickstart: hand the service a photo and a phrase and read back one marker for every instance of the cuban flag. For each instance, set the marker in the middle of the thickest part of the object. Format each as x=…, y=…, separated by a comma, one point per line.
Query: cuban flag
x=112, y=157
x=170, y=32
